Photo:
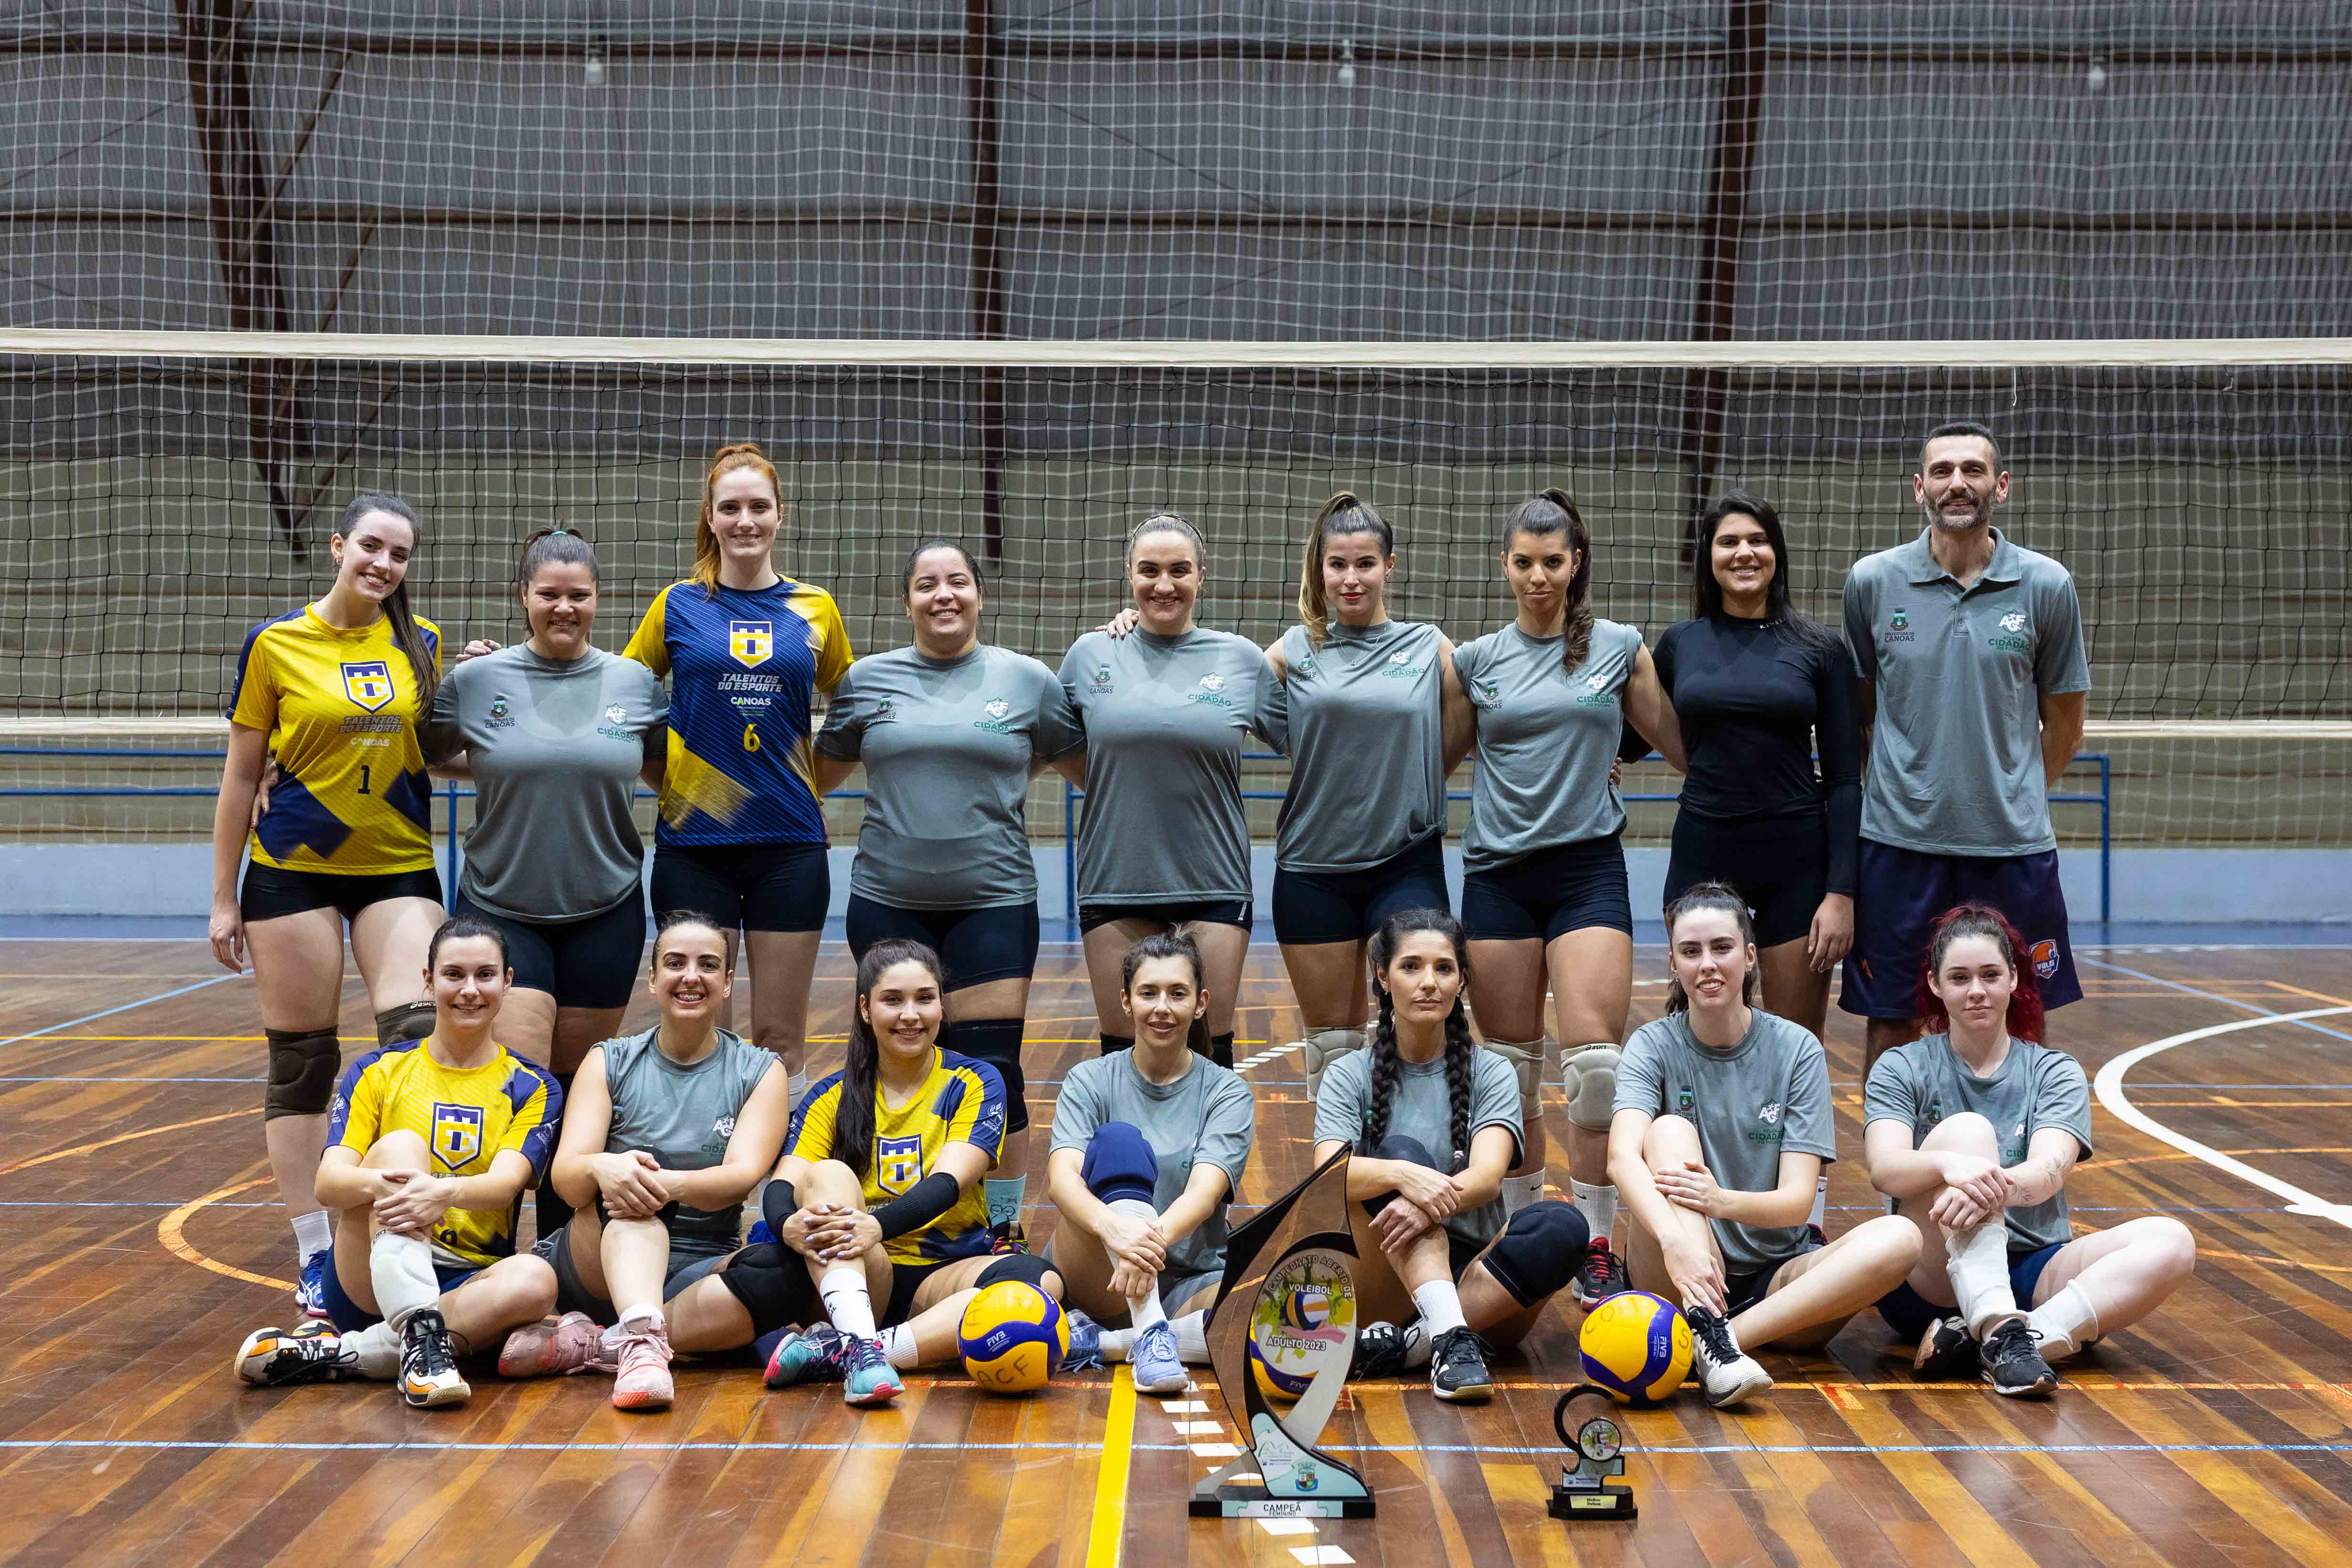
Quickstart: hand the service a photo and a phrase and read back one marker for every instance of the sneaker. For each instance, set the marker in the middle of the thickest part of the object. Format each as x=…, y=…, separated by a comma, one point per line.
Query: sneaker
x=1727, y=1374
x=428, y=1364
x=572, y=1343
x=1153, y=1363
x=1086, y=1343
x=1946, y=1350
x=310, y=1294
x=1600, y=1276
x=643, y=1382
x=814, y=1356
x=2013, y=1362
x=1457, y=1368
x=1381, y=1350
x=313, y=1352
x=867, y=1376
x=1008, y=1239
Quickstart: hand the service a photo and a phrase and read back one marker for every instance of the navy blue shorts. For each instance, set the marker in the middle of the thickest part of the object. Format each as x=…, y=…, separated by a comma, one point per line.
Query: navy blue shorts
x=975, y=946
x=593, y=962
x=269, y=891
x=1208, y=912
x=1549, y=893
x=349, y=1316
x=744, y=887
x=1311, y=908
x=1779, y=864
x=1899, y=892
x=1909, y=1313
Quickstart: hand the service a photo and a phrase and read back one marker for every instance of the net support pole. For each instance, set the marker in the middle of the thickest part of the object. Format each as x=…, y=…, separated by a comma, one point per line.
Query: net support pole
x=1723, y=230
x=981, y=87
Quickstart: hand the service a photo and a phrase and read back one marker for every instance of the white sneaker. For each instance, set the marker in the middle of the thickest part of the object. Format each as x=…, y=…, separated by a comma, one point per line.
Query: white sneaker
x=1726, y=1373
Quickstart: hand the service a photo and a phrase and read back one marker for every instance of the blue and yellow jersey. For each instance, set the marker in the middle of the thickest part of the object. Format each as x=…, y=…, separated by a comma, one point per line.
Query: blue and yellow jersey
x=961, y=1101
x=468, y=1118
x=340, y=710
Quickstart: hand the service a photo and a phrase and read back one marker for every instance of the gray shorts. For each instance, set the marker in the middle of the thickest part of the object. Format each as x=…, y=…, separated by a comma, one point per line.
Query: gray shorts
x=691, y=1257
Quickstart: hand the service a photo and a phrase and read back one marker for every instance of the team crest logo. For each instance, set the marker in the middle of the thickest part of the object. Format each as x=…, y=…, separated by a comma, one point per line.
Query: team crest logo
x=2045, y=958
x=501, y=714
x=456, y=1133
x=1901, y=621
x=898, y=1163
x=997, y=708
x=1681, y=1100
x=751, y=642
x=2013, y=622
x=615, y=713
x=1307, y=665
x=1102, y=673
x=1770, y=1112
x=1213, y=682
x=724, y=1127
x=368, y=683
x=1485, y=691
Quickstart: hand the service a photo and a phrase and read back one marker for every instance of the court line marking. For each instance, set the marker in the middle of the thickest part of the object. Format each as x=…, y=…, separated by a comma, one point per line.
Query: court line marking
x=1107, y=1533
x=169, y=1229
x=2110, y=1087
x=127, y=1006
x=125, y=1138
x=2224, y=1001
x=1510, y=1449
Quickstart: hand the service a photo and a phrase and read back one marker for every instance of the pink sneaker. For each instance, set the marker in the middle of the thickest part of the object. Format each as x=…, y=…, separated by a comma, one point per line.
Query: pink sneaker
x=572, y=1343
x=643, y=1382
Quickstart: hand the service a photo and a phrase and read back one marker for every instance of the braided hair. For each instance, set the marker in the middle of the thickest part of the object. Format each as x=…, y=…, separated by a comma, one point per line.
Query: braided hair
x=1388, y=1066
x=853, y=1117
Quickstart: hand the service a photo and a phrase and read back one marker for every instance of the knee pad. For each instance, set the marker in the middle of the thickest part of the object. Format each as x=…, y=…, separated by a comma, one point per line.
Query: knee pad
x=773, y=1286
x=1021, y=1265
x=1325, y=1046
x=1539, y=1251
x=1411, y=1151
x=1590, y=1075
x=1528, y=1061
x=302, y=1070
x=1221, y=1048
x=409, y=1021
x=997, y=1042
x=1119, y=1164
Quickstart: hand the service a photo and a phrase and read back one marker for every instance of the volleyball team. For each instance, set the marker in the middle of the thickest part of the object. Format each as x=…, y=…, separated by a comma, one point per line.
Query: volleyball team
x=890, y=1191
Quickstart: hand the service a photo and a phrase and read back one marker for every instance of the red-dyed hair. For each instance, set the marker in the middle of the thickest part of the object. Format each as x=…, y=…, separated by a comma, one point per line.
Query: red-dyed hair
x=706, y=541
x=2025, y=1021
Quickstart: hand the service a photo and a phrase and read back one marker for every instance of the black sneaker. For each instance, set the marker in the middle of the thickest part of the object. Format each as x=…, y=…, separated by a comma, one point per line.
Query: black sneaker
x=273, y=1358
x=1381, y=1350
x=1457, y=1368
x=2013, y=1364
x=1726, y=1373
x=1600, y=1276
x=1946, y=1350
x=428, y=1365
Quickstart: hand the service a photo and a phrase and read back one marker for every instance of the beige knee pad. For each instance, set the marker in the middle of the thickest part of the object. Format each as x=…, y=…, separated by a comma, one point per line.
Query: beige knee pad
x=1589, y=1074
x=1325, y=1046
x=1531, y=1061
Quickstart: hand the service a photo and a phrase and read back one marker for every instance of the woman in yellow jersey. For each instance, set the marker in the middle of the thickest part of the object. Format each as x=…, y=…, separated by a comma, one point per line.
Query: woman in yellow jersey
x=332, y=690
x=434, y=1141
x=878, y=1193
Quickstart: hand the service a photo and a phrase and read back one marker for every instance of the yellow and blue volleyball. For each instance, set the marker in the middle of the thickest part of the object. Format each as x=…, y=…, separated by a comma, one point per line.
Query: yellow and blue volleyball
x=1636, y=1345
x=1013, y=1337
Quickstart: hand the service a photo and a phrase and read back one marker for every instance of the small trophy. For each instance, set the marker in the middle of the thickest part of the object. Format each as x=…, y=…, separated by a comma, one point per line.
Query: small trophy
x=1587, y=1423
x=1286, y=1331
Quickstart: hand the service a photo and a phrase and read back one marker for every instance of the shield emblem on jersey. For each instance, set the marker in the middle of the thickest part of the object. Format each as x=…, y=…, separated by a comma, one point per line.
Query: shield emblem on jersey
x=456, y=1133
x=898, y=1163
x=750, y=641
x=368, y=682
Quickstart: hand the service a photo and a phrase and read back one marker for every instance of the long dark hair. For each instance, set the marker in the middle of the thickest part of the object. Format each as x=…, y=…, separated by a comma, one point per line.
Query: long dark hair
x=1169, y=944
x=1552, y=511
x=2024, y=1020
x=1345, y=512
x=1720, y=896
x=1706, y=594
x=1387, y=1064
x=853, y=1114
x=404, y=629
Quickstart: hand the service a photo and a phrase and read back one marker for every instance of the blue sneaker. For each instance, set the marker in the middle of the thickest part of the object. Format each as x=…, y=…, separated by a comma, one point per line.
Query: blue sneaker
x=868, y=1378
x=1153, y=1363
x=1086, y=1343
x=759, y=1233
x=311, y=1295
x=814, y=1356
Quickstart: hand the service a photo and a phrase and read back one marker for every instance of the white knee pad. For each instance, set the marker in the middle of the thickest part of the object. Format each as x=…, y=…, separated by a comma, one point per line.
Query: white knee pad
x=1590, y=1075
x=1530, y=1061
x=1325, y=1046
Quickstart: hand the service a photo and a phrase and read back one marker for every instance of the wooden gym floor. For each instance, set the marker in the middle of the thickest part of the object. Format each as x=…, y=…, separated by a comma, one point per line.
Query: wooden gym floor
x=142, y=1243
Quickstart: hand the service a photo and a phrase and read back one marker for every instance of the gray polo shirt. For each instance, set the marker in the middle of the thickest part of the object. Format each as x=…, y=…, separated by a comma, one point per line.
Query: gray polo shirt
x=2034, y=1087
x=1766, y=1095
x=1367, y=745
x=683, y=1116
x=1956, y=753
x=1421, y=1110
x=555, y=747
x=948, y=746
x=1164, y=720
x=1547, y=737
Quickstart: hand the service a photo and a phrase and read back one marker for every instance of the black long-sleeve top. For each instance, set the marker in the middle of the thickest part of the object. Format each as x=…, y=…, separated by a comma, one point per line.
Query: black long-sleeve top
x=1755, y=701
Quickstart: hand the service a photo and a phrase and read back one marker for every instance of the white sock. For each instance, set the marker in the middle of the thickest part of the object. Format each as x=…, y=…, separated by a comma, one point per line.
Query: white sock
x=651, y=1317
x=1518, y=1192
x=2066, y=1322
x=898, y=1344
x=1193, y=1338
x=795, y=1085
x=1598, y=1204
x=378, y=1349
x=842, y=1287
x=1820, y=1201
x=1418, y=1350
x=1004, y=1195
x=313, y=1232
x=1116, y=1343
x=1441, y=1307
x=1977, y=1262
x=401, y=1269
x=1145, y=1309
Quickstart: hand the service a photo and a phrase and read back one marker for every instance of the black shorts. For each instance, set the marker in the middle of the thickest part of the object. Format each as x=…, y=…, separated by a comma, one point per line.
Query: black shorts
x=906, y=1278
x=269, y=891
x=1311, y=908
x=1779, y=864
x=689, y=1261
x=593, y=962
x=1741, y=1292
x=975, y=946
x=744, y=887
x=1547, y=894
x=1209, y=911
x=1899, y=892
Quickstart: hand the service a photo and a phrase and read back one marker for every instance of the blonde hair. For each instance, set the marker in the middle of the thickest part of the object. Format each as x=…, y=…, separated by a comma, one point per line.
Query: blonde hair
x=706, y=539
x=1345, y=512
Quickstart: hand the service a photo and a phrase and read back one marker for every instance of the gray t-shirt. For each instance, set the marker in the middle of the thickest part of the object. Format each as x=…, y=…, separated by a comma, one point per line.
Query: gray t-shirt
x=1421, y=1111
x=1547, y=737
x=1956, y=752
x=1206, y=1115
x=1164, y=718
x=948, y=746
x=1766, y=1095
x=1366, y=722
x=683, y=1116
x=555, y=746
x=2034, y=1087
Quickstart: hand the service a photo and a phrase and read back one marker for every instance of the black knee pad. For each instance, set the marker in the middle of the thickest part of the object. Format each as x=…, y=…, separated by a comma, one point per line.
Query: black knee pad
x=1409, y=1150
x=409, y=1021
x=773, y=1286
x=1221, y=1048
x=1021, y=1265
x=1116, y=1043
x=997, y=1042
x=1539, y=1251
x=303, y=1066
x=1121, y=1164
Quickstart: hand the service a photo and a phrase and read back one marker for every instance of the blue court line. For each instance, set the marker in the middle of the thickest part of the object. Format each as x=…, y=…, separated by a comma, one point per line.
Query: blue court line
x=2224, y=1001
x=34, y=1078
x=1044, y=1209
x=1551, y=1451
x=127, y=1006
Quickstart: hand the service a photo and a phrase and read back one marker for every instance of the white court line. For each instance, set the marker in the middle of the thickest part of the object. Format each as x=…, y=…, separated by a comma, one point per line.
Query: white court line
x=127, y=1006
x=2110, y=1086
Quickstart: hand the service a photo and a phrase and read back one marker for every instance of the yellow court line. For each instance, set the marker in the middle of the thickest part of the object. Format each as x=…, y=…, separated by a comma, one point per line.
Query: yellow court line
x=126, y=1137
x=169, y=1232
x=2314, y=996
x=1109, y=1527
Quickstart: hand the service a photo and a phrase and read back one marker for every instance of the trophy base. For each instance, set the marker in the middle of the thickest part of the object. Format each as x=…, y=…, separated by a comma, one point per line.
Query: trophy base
x=1244, y=1499
x=1608, y=1500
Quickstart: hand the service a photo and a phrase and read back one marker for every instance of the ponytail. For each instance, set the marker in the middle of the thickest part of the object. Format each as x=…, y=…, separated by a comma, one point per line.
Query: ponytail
x=423, y=652
x=1552, y=511
x=1345, y=512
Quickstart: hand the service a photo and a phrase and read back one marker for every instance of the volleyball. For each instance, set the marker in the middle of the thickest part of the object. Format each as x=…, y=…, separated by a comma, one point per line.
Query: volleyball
x=1637, y=1346
x=1014, y=1338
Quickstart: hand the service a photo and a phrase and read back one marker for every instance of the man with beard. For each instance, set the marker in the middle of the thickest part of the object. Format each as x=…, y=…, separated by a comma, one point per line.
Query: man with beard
x=1973, y=683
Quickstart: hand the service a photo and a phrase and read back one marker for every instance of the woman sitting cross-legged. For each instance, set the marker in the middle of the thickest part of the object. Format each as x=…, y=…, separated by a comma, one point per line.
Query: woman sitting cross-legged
x=1721, y=1127
x=878, y=1192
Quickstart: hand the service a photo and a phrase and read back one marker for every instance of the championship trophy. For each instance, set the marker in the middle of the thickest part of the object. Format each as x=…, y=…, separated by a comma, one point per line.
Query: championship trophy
x=1587, y=1424
x=1285, y=1330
